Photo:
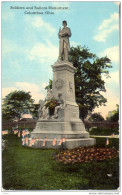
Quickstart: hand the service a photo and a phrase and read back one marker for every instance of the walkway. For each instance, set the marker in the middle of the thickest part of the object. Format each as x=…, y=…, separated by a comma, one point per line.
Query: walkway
x=105, y=136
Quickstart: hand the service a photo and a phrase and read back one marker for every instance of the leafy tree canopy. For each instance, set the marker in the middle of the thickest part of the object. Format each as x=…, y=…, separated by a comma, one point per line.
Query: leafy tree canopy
x=15, y=104
x=96, y=117
x=50, y=85
x=88, y=78
x=34, y=111
x=113, y=116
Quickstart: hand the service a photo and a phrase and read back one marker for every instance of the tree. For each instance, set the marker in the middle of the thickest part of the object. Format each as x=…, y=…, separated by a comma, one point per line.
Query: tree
x=50, y=85
x=34, y=111
x=96, y=117
x=113, y=116
x=15, y=104
x=88, y=79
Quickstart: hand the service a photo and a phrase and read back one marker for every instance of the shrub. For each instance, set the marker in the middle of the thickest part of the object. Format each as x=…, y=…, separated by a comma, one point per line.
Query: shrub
x=103, y=131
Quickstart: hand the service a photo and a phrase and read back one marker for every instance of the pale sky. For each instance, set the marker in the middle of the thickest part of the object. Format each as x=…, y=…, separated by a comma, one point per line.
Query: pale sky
x=30, y=43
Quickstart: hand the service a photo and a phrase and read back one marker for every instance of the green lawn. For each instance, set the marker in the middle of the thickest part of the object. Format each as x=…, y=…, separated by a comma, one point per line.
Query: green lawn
x=113, y=142
x=36, y=169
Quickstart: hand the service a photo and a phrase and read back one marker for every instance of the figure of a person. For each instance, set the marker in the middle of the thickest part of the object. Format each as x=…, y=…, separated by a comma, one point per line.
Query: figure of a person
x=61, y=104
x=49, y=95
x=40, y=112
x=64, y=45
x=45, y=112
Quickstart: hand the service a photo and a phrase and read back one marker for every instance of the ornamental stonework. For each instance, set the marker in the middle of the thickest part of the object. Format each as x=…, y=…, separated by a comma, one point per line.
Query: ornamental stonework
x=59, y=84
x=70, y=86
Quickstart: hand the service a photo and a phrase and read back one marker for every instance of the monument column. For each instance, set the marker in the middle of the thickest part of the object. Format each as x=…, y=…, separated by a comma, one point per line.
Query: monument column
x=63, y=82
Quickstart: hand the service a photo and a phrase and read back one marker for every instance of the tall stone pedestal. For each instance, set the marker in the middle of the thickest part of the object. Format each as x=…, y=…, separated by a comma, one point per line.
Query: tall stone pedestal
x=67, y=124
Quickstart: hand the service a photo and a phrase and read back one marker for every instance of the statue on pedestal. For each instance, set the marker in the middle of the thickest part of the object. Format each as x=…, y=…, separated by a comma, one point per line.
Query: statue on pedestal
x=43, y=111
x=64, y=45
x=61, y=104
x=59, y=113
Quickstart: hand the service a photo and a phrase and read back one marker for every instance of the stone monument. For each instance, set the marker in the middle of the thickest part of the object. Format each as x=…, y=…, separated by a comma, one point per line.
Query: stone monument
x=65, y=122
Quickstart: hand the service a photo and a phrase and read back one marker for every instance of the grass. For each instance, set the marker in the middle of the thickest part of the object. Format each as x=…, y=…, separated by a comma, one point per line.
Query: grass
x=35, y=169
x=113, y=143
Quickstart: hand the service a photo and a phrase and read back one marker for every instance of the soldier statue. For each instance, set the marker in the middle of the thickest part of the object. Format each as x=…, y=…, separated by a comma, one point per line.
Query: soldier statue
x=64, y=45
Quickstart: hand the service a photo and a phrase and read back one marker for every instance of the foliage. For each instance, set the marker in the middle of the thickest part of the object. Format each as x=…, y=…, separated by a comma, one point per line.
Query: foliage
x=51, y=104
x=15, y=104
x=104, y=131
x=113, y=116
x=96, y=117
x=34, y=111
x=50, y=85
x=88, y=78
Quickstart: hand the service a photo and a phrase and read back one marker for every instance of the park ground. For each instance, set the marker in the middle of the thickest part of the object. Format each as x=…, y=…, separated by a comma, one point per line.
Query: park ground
x=25, y=168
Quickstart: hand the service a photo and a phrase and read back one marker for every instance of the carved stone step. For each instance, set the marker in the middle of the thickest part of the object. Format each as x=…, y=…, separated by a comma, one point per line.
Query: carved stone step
x=69, y=144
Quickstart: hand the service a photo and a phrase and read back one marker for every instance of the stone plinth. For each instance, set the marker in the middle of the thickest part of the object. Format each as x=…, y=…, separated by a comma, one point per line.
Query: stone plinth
x=63, y=81
x=67, y=124
x=69, y=144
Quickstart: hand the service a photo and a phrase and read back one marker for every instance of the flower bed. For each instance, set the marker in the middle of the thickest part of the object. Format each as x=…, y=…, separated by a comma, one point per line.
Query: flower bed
x=85, y=154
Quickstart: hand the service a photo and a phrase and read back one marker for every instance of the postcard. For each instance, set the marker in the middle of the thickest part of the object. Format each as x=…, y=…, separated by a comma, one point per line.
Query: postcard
x=60, y=96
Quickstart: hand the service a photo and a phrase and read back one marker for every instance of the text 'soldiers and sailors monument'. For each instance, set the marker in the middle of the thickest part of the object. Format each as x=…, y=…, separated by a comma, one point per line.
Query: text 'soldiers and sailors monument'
x=65, y=121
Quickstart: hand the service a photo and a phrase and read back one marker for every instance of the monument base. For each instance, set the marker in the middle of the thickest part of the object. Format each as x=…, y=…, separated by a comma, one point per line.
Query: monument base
x=69, y=144
x=74, y=132
x=65, y=122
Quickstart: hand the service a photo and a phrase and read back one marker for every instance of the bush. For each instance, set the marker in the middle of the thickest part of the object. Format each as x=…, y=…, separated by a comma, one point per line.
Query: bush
x=103, y=131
